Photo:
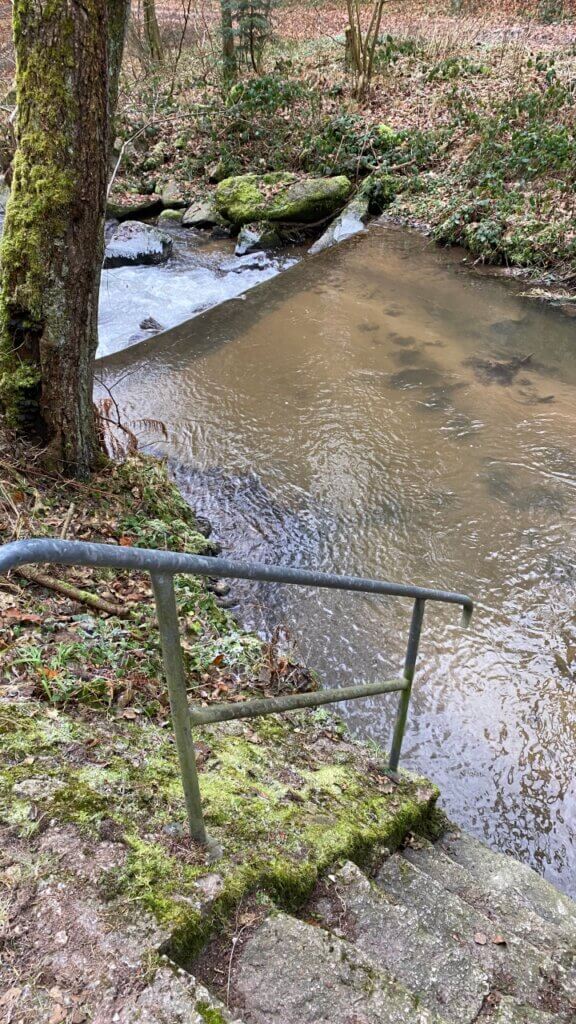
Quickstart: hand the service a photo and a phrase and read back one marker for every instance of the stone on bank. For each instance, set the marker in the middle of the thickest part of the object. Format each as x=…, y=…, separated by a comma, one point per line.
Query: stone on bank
x=256, y=238
x=203, y=214
x=351, y=221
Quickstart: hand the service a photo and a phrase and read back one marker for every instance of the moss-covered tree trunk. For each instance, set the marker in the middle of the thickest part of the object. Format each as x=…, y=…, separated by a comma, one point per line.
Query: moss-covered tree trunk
x=53, y=236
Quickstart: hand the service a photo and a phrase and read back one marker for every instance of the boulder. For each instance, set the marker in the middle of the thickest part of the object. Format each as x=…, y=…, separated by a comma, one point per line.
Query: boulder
x=134, y=244
x=248, y=198
x=256, y=237
x=134, y=211
x=203, y=215
x=171, y=195
x=350, y=222
x=150, y=324
x=217, y=172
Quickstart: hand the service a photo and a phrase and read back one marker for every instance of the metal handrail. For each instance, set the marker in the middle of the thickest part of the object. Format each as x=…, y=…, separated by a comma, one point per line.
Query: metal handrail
x=163, y=566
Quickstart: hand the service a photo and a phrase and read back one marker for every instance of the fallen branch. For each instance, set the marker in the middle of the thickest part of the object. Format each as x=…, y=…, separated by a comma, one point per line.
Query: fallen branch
x=69, y=590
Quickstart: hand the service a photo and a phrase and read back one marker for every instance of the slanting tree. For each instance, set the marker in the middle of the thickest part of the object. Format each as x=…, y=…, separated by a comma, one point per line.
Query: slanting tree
x=68, y=58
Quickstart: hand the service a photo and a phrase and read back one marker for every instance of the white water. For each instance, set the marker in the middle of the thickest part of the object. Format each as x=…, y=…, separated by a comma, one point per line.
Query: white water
x=198, y=275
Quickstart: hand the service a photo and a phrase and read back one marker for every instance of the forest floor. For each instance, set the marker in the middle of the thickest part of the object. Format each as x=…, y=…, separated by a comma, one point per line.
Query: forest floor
x=470, y=119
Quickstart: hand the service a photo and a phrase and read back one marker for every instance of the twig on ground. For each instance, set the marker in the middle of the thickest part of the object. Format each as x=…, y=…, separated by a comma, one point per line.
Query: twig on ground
x=67, y=520
x=69, y=590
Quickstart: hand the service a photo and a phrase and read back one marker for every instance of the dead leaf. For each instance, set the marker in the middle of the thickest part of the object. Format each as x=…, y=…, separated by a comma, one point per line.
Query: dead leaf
x=59, y=1013
x=499, y=940
x=10, y=997
x=481, y=938
x=19, y=615
x=248, y=918
x=126, y=542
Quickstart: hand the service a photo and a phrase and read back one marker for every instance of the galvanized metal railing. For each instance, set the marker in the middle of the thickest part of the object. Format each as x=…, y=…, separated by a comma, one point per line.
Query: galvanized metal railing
x=163, y=566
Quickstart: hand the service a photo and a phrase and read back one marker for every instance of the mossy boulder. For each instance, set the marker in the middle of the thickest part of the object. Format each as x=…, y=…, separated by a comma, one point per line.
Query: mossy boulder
x=248, y=198
x=170, y=217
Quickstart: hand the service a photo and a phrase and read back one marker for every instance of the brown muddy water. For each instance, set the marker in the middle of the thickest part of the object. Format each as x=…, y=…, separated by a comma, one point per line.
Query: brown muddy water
x=375, y=410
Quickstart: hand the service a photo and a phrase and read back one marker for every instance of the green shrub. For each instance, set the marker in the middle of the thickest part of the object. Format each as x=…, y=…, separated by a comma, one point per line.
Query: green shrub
x=391, y=49
x=451, y=68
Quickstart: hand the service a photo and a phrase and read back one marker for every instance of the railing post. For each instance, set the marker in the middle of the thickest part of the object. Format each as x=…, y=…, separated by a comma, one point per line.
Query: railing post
x=175, y=677
x=409, y=666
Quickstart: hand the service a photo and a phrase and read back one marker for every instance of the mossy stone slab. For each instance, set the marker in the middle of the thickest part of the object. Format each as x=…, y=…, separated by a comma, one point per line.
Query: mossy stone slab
x=284, y=798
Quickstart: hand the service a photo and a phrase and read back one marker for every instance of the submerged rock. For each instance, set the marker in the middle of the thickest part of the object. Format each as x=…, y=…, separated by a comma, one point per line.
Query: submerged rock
x=256, y=237
x=249, y=198
x=135, y=244
x=350, y=222
x=150, y=324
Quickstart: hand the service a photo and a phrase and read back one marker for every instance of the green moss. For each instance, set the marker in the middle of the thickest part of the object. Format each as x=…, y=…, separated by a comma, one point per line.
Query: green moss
x=78, y=803
x=42, y=190
x=45, y=197
x=279, y=196
x=209, y=1014
x=282, y=808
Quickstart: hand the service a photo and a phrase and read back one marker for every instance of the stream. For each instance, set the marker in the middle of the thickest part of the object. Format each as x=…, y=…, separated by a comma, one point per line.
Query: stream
x=378, y=410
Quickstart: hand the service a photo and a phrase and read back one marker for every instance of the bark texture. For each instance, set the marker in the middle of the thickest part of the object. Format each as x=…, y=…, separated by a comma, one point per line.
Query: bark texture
x=53, y=237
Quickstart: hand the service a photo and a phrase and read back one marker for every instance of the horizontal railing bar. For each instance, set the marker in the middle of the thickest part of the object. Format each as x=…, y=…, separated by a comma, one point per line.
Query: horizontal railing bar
x=291, y=702
x=84, y=553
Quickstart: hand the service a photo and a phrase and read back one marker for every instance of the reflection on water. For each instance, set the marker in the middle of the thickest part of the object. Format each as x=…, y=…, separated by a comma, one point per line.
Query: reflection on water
x=374, y=411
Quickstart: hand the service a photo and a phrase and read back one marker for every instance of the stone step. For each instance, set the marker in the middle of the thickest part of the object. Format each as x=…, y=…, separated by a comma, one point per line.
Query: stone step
x=290, y=972
x=170, y=996
x=507, y=906
x=438, y=968
x=503, y=873
x=513, y=966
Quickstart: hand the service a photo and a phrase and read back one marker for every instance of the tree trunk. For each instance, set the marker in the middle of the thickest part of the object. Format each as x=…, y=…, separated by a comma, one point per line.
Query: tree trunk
x=152, y=32
x=229, y=66
x=118, y=17
x=53, y=235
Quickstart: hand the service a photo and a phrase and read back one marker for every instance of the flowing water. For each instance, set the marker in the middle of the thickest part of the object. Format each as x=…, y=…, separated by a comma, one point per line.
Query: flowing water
x=376, y=411
x=199, y=274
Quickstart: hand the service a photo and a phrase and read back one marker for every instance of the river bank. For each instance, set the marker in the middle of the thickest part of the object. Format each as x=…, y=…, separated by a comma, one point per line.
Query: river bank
x=468, y=123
